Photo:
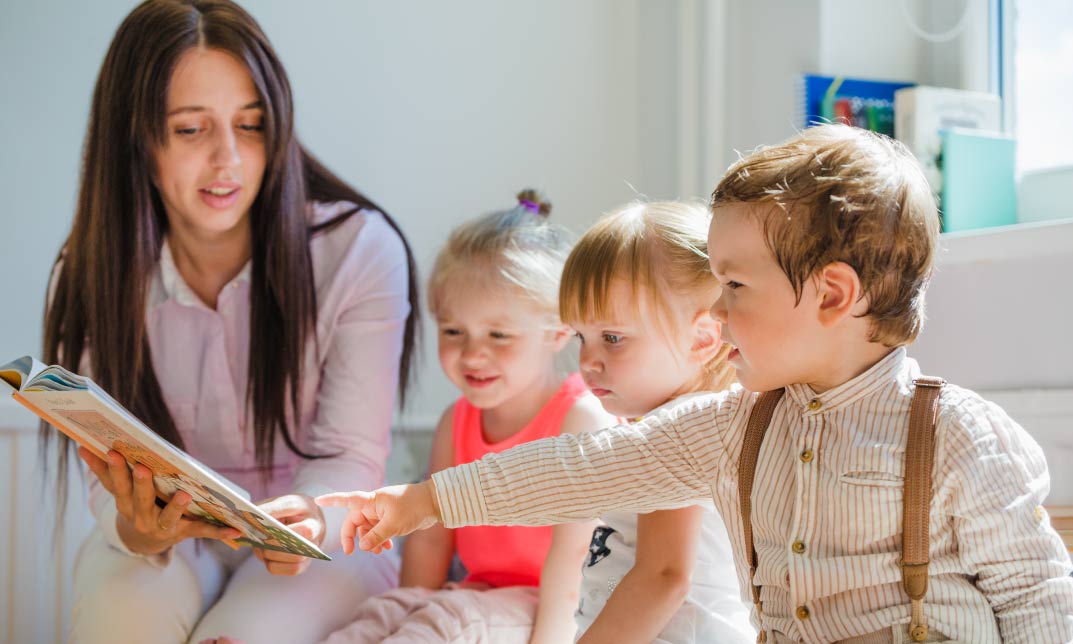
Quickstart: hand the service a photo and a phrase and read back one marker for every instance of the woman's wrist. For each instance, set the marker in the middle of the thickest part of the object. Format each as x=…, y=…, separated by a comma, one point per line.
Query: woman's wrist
x=133, y=541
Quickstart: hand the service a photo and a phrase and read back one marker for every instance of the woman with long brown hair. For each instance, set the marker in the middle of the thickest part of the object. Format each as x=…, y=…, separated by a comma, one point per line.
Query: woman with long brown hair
x=246, y=304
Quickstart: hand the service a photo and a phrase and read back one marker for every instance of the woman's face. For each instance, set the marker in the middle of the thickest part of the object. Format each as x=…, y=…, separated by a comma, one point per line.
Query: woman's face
x=210, y=168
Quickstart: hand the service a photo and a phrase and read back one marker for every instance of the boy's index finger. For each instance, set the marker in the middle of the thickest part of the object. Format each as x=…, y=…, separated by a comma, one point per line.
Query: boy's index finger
x=336, y=499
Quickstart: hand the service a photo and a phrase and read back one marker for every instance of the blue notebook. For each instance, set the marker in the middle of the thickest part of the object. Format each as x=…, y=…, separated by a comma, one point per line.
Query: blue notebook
x=978, y=180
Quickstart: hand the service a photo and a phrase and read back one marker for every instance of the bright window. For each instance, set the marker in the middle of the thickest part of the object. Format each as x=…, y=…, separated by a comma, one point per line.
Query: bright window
x=1037, y=52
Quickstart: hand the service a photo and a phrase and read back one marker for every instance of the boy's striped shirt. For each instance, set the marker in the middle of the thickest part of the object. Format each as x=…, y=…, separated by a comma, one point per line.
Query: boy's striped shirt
x=827, y=504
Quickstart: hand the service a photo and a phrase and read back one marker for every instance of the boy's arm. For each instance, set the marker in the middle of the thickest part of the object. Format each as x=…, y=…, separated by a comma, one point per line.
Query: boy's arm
x=654, y=589
x=426, y=555
x=1022, y=567
x=665, y=460
x=560, y=577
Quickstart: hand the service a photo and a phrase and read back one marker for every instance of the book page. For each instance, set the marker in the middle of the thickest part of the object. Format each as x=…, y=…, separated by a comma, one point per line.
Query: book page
x=101, y=425
x=20, y=372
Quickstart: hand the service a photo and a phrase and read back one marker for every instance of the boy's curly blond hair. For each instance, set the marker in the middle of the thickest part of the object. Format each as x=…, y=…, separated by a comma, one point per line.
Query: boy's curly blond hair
x=836, y=193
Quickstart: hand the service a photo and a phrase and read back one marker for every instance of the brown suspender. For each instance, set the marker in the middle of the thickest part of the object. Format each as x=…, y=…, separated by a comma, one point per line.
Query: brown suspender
x=916, y=500
x=759, y=419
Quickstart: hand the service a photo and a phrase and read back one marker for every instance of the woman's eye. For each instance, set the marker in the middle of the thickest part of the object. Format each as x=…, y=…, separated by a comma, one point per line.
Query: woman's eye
x=186, y=131
x=251, y=127
x=611, y=338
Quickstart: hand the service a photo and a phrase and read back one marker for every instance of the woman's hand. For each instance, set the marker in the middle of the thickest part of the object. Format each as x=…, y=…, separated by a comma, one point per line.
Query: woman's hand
x=299, y=513
x=145, y=528
x=375, y=517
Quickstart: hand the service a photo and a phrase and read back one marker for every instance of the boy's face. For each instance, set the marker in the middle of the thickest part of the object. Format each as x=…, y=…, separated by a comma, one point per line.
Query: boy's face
x=775, y=339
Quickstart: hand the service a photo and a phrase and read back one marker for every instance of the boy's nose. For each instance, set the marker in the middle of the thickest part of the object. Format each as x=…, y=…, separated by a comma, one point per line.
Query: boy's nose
x=718, y=310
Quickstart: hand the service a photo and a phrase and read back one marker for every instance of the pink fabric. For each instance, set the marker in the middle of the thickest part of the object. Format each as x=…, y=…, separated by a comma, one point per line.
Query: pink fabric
x=348, y=395
x=507, y=555
x=413, y=615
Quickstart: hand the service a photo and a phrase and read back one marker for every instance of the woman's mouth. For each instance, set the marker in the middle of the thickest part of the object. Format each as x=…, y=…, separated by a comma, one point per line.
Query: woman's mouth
x=220, y=195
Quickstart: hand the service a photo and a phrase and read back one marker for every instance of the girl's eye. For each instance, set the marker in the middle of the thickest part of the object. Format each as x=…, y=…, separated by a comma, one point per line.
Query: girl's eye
x=580, y=337
x=251, y=127
x=499, y=335
x=611, y=338
x=186, y=131
x=732, y=285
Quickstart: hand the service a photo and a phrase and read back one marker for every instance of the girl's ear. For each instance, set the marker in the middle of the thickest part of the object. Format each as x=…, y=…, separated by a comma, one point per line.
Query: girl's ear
x=559, y=335
x=707, y=337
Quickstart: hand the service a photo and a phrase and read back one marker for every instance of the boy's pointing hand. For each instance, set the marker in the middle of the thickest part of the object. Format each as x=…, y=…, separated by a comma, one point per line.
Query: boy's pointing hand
x=374, y=518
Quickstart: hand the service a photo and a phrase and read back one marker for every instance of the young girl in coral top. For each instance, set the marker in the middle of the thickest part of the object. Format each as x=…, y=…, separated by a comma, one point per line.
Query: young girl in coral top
x=494, y=295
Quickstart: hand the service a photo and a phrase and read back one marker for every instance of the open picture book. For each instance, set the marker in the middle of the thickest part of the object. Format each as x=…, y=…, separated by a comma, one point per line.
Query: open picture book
x=83, y=411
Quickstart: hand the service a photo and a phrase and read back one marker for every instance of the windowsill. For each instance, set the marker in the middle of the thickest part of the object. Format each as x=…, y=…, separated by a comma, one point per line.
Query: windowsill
x=986, y=245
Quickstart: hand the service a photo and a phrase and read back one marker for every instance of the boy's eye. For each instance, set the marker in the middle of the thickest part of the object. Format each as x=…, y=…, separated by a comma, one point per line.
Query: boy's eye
x=611, y=338
x=580, y=337
x=451, y=332
x=499, y=335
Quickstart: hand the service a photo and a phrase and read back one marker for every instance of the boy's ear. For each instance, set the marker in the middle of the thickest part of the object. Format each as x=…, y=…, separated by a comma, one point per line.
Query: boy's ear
x=839, y=290
x=707, y=337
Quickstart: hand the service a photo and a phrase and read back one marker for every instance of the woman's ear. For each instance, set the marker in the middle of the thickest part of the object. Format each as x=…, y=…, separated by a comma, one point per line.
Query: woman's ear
x=707, y=337
x=839, y=293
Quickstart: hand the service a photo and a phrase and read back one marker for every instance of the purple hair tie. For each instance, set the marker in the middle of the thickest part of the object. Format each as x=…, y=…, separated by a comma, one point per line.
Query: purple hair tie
x=531, y=206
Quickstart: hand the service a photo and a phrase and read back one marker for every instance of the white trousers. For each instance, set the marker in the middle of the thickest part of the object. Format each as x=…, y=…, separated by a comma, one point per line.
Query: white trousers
x=208, y=590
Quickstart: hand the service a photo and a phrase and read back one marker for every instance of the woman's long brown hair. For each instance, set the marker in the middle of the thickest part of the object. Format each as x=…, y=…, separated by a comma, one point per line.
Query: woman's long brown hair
x=99, y=297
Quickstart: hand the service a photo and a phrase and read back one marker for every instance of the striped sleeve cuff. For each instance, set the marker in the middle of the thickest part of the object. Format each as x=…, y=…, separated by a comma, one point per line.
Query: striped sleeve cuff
x=460, y=497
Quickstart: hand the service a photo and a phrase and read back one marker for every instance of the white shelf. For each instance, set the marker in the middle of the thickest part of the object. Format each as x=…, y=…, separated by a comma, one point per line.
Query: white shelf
x=986, y=245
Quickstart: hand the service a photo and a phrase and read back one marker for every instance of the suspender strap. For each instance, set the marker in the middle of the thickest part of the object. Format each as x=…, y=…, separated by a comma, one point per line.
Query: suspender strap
x=759, y=419
x=916, y=502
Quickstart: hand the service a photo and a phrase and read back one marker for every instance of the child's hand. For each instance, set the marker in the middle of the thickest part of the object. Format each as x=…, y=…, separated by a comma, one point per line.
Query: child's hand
x=375, y=517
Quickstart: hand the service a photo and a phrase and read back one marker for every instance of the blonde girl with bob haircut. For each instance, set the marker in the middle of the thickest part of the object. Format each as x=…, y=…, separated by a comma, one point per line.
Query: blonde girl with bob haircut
x=637, y=290
x=493, y=292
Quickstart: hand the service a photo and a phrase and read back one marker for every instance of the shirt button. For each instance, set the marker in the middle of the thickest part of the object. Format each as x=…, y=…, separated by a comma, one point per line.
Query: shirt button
x=806, y=456
x=802, y=612
x=1040, y=513
x=814, y=404
x=798, y=547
